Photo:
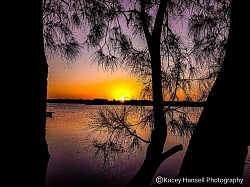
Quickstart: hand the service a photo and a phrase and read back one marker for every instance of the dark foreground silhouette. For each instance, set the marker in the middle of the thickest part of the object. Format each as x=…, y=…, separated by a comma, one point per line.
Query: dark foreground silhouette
x=218, y=146
x=26, y=154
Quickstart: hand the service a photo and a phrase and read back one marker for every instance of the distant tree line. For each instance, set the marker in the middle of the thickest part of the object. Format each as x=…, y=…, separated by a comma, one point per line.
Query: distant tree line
x=127, y=102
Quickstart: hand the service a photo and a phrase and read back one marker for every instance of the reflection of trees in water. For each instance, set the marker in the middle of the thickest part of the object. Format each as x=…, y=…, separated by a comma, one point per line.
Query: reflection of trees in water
x=109, y=152
x=182, y=121
x=117, y=130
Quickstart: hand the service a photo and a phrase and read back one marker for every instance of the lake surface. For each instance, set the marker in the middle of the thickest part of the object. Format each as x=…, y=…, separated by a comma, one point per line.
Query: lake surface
x=74, y=161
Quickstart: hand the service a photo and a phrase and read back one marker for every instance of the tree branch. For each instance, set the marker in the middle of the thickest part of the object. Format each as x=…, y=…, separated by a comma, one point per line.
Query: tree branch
x=143, y=21
x=159, y=19
x=171, y=151
x=129, y=131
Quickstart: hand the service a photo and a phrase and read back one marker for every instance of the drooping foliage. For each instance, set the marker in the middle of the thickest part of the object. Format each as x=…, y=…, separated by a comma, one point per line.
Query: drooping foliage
x=193, y=39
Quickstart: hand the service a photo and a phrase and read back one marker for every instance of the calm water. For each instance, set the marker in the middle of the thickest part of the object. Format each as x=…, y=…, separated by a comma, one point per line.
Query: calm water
x=74, y=162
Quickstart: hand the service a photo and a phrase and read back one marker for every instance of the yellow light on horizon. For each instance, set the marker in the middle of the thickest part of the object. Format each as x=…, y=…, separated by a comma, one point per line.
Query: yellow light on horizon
x=122, y=99
x=119, y=89
x=123, y=90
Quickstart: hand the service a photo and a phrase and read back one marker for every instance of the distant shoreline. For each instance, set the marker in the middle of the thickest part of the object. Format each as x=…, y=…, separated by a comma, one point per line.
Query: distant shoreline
x=127, y=102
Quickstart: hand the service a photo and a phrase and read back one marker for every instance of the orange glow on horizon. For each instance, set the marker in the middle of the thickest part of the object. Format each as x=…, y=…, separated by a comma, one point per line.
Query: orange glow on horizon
x=121, y=89
x=79, y=80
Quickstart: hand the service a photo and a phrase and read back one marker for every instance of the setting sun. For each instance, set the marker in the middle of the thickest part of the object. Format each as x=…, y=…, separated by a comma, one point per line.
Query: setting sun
x=122, y=89
x=82, y=81
x=122, y=99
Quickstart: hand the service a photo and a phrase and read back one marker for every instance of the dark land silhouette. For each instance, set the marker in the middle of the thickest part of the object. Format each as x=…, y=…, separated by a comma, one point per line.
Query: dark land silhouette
x=127, y=102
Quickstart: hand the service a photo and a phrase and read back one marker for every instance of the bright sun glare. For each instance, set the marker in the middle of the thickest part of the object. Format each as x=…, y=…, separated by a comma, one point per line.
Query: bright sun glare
x=122, y=99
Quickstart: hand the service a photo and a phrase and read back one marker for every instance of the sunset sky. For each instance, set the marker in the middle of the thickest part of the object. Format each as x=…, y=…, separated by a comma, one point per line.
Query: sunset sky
x=83, y=79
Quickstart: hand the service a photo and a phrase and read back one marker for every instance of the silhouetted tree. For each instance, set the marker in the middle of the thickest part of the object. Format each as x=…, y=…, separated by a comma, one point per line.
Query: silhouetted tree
x=26, y=93
x=127, y=129
x=59, y=27
x=218, y=146
x=112, y=27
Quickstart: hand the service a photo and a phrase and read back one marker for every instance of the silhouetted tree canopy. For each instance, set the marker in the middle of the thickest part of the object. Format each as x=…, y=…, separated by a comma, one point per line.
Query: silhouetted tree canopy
x=173, y=47
x=193, y=38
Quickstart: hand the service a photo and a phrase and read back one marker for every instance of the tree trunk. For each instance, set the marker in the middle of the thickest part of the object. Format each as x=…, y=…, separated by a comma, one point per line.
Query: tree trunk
x=154, y=154
x=158, y=136
x=27, y=152
x=218, y=146
x=37, y=96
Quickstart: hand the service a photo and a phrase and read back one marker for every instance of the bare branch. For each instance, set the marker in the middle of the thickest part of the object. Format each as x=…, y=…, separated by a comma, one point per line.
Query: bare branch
x=171, y=152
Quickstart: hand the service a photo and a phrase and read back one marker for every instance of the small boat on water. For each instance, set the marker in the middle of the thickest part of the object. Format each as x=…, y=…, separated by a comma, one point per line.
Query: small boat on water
x=49, y=114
